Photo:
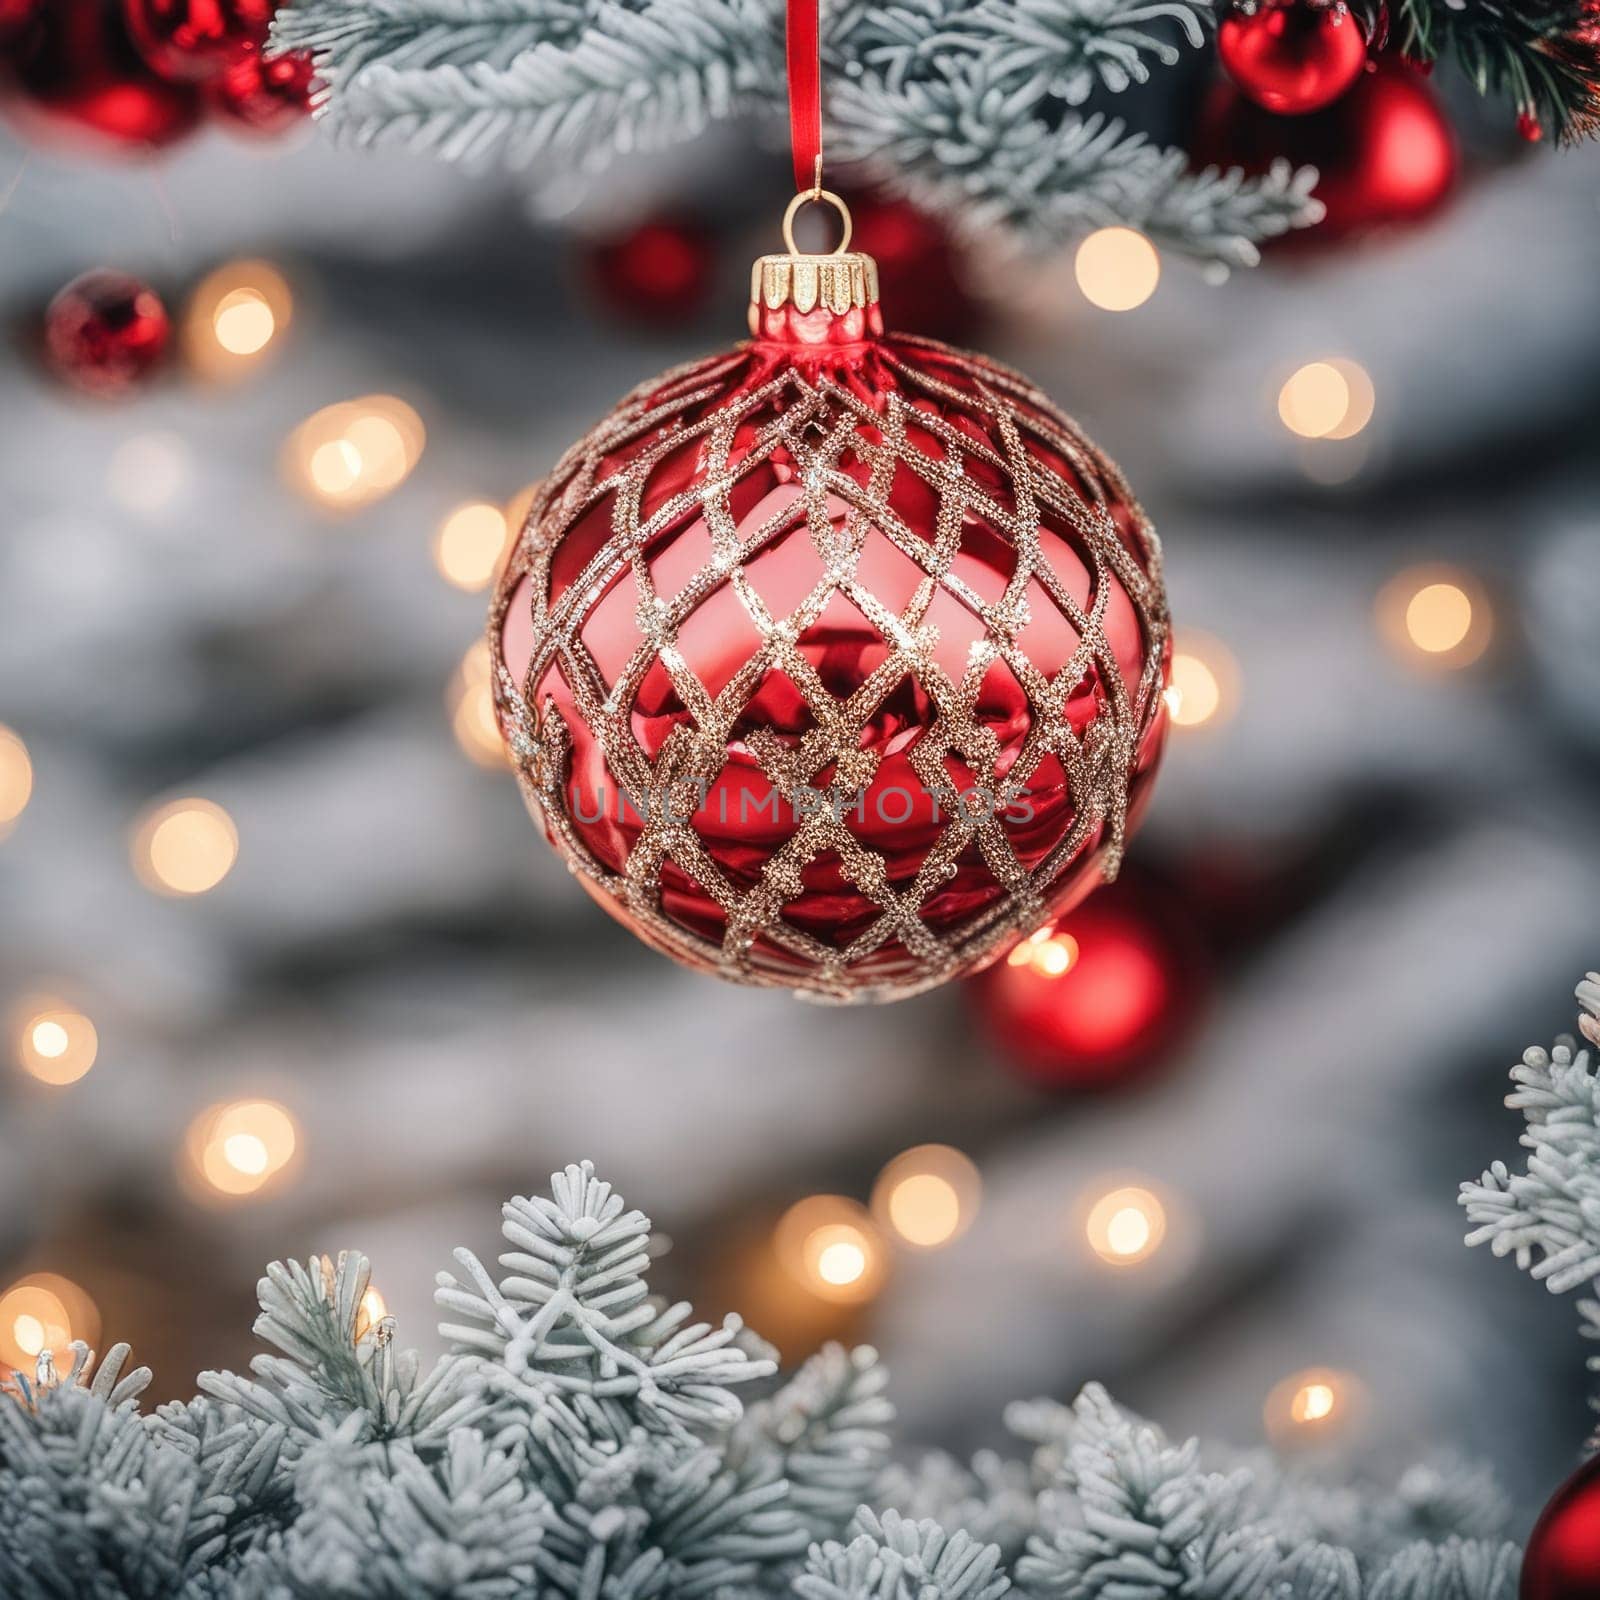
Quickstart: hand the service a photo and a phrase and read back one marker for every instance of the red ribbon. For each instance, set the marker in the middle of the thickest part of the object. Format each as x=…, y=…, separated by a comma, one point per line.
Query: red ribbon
x=804, y=38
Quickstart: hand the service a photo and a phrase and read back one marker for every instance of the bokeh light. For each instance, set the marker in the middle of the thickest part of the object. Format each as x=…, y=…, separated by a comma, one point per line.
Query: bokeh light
x=372, y=1310
x=1436, y=616
x=1117, y=269
x=354, y=453
x=236, y=316
x=520, y=504
x=1046, y=951
x=1331, y=399
x=830, y=1246
x=1203, y=683
x=185, y=847
x=148, y=473
x=238, y=1147
x=16, y=778
x=1126, y=1225
x=55, y=1044
x=470, y=700
x=44, y=1311
x=469, y=544
x=927, y=1196
x=1311, y=1405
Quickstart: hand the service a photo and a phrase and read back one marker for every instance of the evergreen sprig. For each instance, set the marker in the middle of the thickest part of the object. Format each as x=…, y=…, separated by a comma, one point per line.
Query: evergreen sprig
x=973, y=110
x=582, y=1440
x=1547, y=1216
x=1543, y=57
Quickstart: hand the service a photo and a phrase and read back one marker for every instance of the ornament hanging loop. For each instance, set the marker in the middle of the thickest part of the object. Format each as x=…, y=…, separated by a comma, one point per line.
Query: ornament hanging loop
x=817, y=195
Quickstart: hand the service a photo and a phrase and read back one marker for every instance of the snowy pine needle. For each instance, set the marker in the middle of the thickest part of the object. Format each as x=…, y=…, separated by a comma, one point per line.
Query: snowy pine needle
x=970, y=110
x=582, y=1440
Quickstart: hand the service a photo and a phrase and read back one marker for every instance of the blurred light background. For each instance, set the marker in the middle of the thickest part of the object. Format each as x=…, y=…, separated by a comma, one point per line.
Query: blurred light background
x=287, y=969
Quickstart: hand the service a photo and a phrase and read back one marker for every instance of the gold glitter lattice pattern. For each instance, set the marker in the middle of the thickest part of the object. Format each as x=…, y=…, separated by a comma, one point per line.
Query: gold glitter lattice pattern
x=916, y=445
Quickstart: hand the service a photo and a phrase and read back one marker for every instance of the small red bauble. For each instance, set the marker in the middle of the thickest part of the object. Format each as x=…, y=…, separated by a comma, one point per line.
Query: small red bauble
x=1385, y=153
x=192, y=40
x=265, y=94
x=105, y=331
x=1292, y=56
x=834, y=662
x=1562, y=1561
x=76, y=79
x=658, y=274
x=1096, y=997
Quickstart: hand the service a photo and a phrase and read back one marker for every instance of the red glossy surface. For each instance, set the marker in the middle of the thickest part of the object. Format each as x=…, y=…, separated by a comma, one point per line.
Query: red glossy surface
x=192, y=40
x=740, y=818
x=1134, y=983
x=1385, y=153
x=73, y=77
x=105, y=331
x=265, y=94
x=1562, y=1561
x=1291, y=57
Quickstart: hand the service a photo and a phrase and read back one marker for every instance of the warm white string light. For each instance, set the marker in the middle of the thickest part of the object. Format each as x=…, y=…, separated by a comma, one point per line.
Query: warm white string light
x=1436, y=616
x=238, y=1147
x=1126, y=1225
x=1117, y=269
x=55, y=1043
x=830, y=1245
x=927, y=1196
x=186, y=847
x=16, y=778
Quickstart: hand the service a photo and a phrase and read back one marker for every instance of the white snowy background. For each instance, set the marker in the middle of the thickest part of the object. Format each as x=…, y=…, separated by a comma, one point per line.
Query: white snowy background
x=398, y=959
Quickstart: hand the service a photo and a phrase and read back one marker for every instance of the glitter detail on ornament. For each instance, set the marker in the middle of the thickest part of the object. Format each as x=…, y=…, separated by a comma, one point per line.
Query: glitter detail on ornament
x=834, y=662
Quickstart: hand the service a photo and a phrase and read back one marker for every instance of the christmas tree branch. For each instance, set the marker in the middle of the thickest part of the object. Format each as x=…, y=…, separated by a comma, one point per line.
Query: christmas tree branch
x=969, y=110
x=1544, y=58
x=1547, y=1216
x=579, y=1438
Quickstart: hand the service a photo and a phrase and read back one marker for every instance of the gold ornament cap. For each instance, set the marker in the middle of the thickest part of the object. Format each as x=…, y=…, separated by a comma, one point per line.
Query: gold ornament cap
x=844, y=280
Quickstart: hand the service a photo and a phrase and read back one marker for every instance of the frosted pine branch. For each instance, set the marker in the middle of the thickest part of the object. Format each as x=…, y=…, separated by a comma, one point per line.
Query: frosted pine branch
x=1548, y=1215
x=969, y=110
x=580, y=1439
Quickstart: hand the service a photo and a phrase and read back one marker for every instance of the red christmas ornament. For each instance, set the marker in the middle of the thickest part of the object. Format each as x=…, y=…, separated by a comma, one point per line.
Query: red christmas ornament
x=105, y=331
x=1385, y=153
x=193, y=40
x=1562, y=1561
x=658, y=274
x=1103, y=991
x=834, y=661
x=918, y=267
x=1292, y=56
x=76, y=79
x=262, y=93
